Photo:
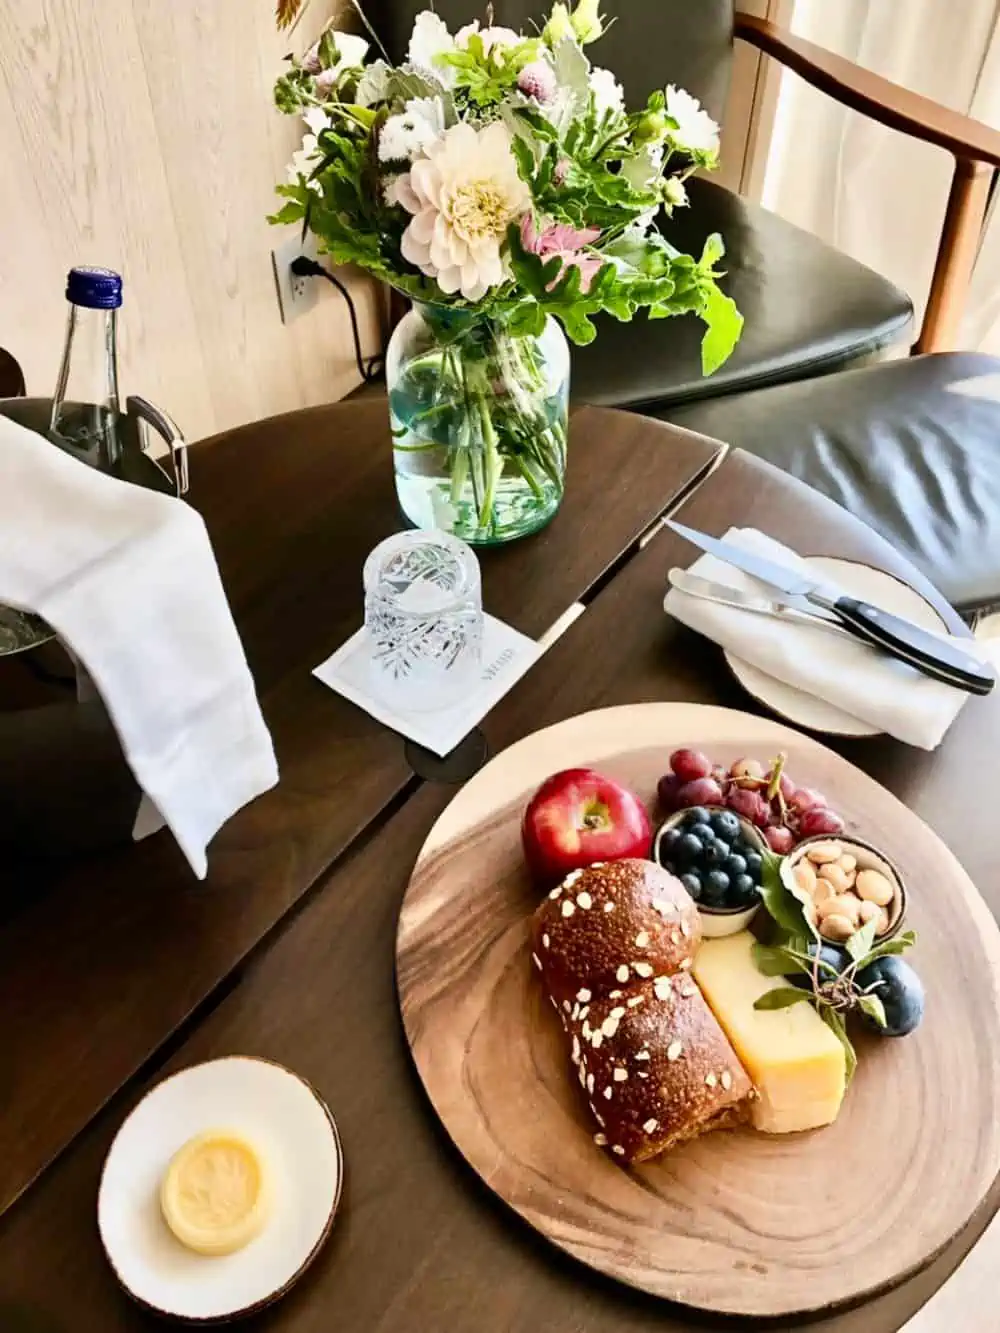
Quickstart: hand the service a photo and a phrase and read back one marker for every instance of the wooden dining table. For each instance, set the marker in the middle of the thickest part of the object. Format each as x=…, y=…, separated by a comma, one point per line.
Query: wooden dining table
x=122, y=968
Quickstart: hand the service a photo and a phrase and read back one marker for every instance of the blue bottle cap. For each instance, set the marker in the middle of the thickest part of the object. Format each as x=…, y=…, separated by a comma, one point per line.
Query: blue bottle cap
x=95, y=288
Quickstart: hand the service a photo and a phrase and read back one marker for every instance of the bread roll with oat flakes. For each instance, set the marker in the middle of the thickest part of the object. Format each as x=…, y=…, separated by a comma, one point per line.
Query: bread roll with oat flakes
x=614, y=923
x=649, y=1053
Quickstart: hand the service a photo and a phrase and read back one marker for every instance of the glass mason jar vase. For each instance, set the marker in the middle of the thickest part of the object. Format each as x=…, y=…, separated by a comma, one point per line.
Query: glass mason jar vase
x=479, y=419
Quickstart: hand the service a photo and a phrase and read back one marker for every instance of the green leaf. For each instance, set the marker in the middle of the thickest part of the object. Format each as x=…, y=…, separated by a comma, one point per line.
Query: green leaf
x=528, y=320
x=328, y=53
x=781, y=998
x=874, y=1008
x=774, y=960
x=525, y=159
x=780, y=902
x=293, y=211
x=402, y=85
x=578, y=327
x=724, y=326
x=861, y=941
x=536, y=122
x=838, y=1027
x=712, y=251
x=572, y=71
x=898, y=944
x=373, y=86
x=641, y=170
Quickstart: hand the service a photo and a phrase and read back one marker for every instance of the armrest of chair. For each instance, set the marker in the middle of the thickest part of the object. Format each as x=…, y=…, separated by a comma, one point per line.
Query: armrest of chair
x=872, y=95
x=975, y=147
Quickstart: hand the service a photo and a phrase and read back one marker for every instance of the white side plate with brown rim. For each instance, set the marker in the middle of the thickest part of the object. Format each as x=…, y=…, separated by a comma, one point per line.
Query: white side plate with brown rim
x=285, y=1119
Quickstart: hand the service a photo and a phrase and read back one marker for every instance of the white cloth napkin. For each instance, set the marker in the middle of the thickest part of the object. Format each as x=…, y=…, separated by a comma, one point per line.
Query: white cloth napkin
x=859, y=680
x=128, y=580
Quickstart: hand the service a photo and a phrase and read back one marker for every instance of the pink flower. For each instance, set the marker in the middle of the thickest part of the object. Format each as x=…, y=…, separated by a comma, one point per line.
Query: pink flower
x=311, y=62
x=538, y=81
x=559, y=239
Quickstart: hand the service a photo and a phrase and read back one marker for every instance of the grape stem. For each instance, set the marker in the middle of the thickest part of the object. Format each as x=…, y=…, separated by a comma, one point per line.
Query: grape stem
x=774, y=786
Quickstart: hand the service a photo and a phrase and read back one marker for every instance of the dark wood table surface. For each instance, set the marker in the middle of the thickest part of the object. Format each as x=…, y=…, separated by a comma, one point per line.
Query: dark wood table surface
x=420, y=1245
x=111, y=956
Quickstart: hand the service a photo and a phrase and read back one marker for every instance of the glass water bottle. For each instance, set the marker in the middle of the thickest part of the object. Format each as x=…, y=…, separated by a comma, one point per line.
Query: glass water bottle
x=86, y=418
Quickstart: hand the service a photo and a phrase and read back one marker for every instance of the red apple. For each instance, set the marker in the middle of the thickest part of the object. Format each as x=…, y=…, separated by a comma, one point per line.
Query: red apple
x=578, y=817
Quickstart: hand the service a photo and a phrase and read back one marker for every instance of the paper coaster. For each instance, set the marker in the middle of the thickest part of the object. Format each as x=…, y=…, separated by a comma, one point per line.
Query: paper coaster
x=507, y=655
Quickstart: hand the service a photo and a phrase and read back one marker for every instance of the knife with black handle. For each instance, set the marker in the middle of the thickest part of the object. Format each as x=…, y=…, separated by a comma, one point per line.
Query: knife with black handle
x=940, y=658
x=903, y=639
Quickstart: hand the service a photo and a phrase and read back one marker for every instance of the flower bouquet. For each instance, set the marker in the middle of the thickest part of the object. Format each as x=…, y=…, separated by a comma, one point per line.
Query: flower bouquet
x=500, y=182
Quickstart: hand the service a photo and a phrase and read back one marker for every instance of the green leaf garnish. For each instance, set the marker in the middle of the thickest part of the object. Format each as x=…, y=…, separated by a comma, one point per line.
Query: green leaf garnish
x=783, y=904
x=873, y=1007
x=835, y=1022
x=899, y=944
x=860, y=943
x=782, y=998
x=833, y=995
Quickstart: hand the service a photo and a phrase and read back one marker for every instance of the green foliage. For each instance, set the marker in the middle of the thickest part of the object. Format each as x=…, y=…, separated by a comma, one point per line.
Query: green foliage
x=781, y=903
x=603, y=171
x=781, y=998
x=834, y=994
x=834, y=1020
x=293, y=92
x=487, y=78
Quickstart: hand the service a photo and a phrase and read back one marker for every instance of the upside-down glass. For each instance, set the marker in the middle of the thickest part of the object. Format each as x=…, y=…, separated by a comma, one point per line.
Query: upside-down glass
x=424, y=618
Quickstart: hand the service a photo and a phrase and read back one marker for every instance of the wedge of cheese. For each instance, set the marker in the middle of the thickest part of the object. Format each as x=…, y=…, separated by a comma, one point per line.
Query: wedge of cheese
x=796, y=1063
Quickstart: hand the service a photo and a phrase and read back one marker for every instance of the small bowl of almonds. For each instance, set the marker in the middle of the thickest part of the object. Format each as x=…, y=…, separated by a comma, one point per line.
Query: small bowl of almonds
x=849, y=883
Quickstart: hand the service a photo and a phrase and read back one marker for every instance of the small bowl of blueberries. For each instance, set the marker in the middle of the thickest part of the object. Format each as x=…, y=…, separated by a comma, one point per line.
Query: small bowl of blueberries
x=717, y=855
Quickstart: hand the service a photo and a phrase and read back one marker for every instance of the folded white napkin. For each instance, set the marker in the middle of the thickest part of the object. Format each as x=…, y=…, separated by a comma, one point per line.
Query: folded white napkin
x=128, y=580
x=859, y=680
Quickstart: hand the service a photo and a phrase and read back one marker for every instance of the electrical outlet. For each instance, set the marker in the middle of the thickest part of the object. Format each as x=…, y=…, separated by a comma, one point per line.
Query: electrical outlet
x=295, y=295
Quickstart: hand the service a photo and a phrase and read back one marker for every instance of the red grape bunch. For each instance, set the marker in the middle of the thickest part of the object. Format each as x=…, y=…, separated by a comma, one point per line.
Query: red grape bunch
x=766, y=796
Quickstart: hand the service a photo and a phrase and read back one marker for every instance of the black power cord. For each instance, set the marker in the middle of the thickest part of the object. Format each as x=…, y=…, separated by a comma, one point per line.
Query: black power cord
x=304, y=267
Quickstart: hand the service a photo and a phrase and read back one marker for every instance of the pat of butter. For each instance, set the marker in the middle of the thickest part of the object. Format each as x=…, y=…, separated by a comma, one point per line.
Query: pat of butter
x=796, y=1063
x=215, y=1196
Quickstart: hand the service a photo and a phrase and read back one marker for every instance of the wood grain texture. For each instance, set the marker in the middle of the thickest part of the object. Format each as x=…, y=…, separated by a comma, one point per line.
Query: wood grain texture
x=106, y=957
x=740, y=1223
x=420, y=1246
x=871, y=94
x=961, y=236
x=143, y=136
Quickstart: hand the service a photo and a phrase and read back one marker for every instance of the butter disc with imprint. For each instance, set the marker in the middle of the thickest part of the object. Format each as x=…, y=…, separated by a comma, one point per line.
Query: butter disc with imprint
x=219, y=1189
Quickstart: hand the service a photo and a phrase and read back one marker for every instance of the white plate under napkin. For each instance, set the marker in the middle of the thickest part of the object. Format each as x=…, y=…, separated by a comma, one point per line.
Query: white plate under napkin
x=282, y=1116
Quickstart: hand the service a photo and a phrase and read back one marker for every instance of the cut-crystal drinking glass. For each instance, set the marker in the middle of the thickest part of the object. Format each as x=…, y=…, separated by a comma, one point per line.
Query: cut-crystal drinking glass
x=424, y=618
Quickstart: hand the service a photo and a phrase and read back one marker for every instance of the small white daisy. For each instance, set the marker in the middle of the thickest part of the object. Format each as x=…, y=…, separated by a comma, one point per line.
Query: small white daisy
x=696, y=131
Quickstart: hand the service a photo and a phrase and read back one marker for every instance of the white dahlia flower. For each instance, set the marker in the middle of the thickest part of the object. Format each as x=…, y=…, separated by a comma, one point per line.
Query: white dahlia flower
x=463, y=196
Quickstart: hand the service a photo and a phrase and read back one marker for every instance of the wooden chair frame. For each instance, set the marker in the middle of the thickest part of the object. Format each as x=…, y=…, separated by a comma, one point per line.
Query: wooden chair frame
x=974, y=146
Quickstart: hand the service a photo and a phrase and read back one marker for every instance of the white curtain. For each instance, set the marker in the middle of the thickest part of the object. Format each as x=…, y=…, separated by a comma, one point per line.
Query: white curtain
x=870, y=191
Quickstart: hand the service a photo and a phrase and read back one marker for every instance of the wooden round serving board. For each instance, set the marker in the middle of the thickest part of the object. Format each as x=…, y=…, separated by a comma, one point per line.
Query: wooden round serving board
x=732, y=1222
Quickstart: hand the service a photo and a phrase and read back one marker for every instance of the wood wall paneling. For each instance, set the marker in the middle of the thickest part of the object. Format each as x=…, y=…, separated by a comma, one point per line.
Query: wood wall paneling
x=749, y=116
x=142, y=135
